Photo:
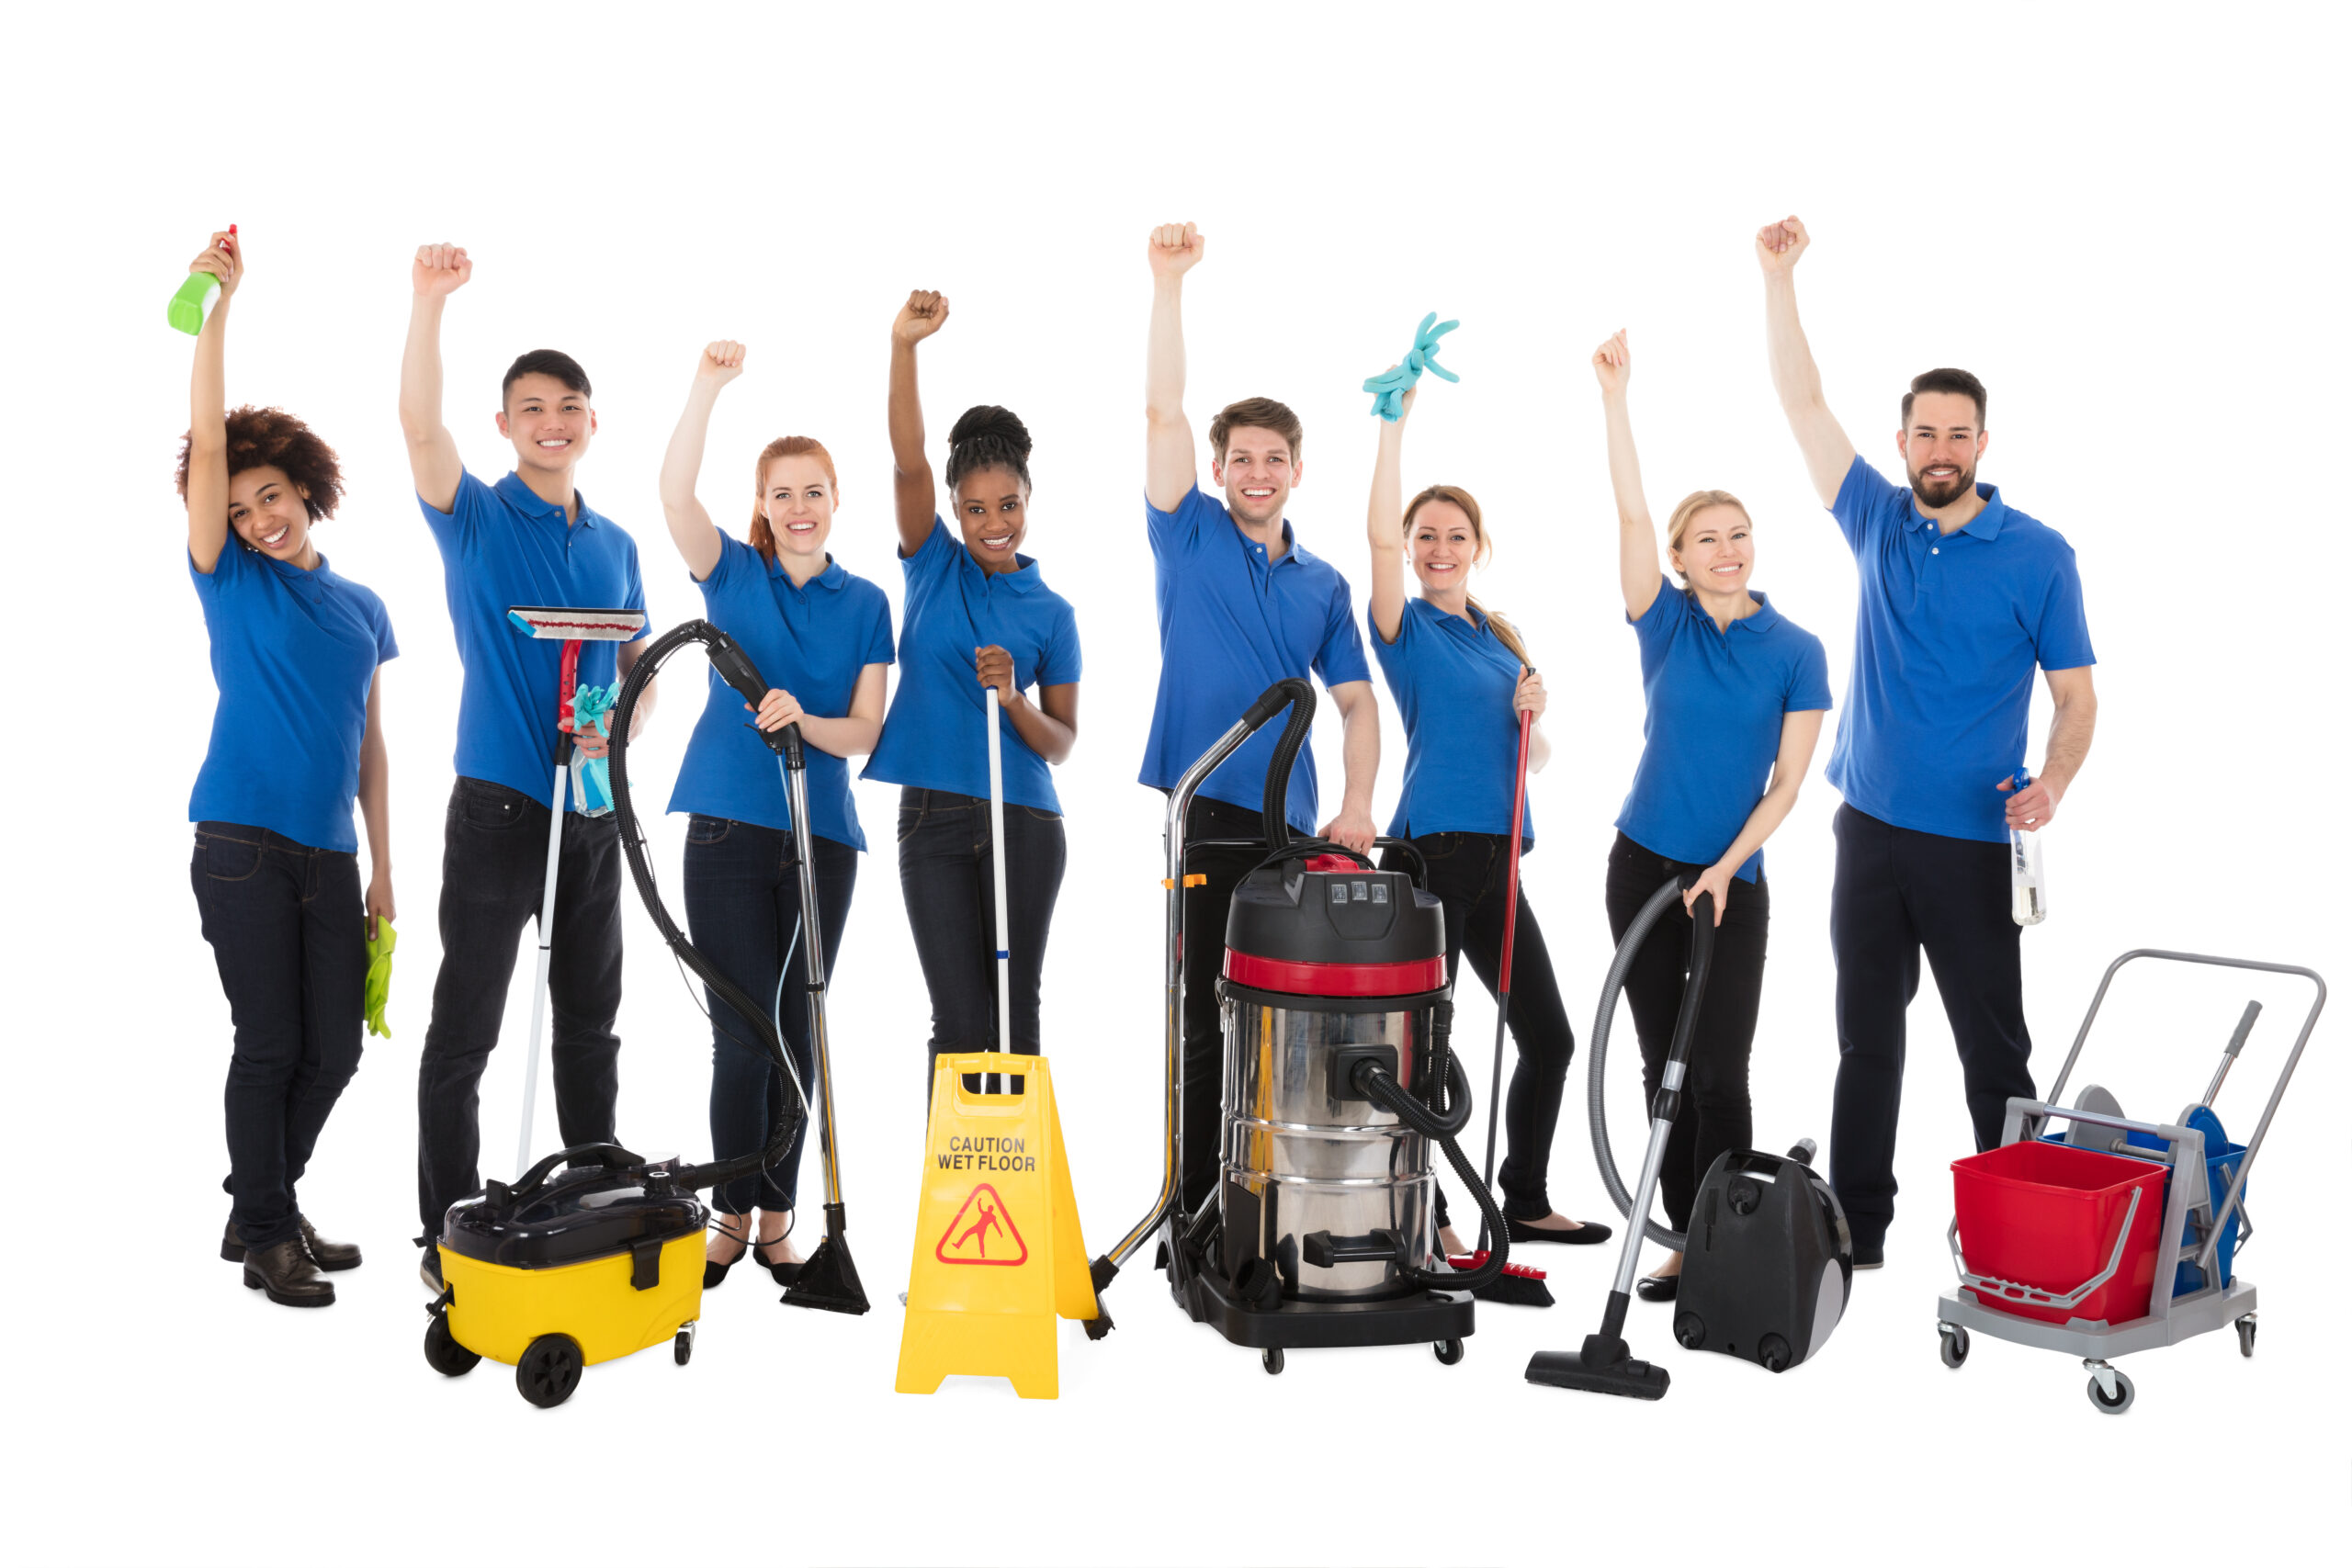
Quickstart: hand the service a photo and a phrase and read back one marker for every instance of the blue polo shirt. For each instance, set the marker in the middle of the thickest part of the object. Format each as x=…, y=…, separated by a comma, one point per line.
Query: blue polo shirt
x=1947, y=633
x=1453, y=682
x=814, y=641
x=293, y=654
x=1231, y=626
x=936, y=735
x=1714, y=725
x=502, y=545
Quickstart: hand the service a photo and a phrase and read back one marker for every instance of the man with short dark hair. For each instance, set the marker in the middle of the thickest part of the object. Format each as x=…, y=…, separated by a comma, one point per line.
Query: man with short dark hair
x=1241, y=604
x=1961, y=596
x=529, y=539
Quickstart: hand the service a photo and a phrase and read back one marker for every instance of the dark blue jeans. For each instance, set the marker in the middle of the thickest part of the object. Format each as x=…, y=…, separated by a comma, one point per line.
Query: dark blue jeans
x=743, y=914
x=945, y=868
x=493, y=861
x=289, y=935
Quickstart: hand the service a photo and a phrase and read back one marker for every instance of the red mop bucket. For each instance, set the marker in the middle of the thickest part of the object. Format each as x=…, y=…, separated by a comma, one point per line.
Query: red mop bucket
x=2038, y=1221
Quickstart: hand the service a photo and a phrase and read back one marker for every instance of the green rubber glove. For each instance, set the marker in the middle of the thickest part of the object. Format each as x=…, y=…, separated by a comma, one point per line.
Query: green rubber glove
x=380, y=977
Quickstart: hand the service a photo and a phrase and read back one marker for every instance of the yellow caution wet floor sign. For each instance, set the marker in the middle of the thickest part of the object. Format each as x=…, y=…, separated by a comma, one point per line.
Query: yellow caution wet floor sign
x=998, y=1253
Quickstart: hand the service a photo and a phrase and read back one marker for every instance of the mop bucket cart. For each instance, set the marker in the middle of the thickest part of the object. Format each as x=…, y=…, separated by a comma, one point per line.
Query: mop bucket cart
x=2129, y=1228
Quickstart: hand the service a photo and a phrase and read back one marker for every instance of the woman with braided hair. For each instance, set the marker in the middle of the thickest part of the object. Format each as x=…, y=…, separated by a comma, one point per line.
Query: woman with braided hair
x=976, y=615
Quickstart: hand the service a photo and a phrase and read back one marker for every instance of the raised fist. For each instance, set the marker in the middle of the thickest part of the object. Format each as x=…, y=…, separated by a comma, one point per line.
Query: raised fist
x=722, y=361
x=924, y=313
x=225, y=258
x=1613, y=364
x=1175, y=248
x=1778, y=245
x=440, y=270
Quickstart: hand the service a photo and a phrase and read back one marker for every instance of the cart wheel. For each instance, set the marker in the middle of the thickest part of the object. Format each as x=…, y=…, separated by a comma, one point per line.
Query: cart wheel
x=1449, y=1352
x=1956, y=1343
x=2245, y=1335
x=1772, y=1354
x=441, y=1351
x=681, y=1348
x=1272, y=1360
x=2122, y=1400
x=1690, y=1330
x=548, y=1371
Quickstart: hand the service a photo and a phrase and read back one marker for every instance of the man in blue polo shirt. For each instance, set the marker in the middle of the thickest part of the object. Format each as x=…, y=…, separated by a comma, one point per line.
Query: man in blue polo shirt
x=1242, y=604
x=529, y=539
x=1961, y=596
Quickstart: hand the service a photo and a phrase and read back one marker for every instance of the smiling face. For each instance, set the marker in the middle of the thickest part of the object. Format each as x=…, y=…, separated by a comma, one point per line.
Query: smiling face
x=1257, y=473
x=1443, y=544
x=797, y=497
x=992, y=510
x=268, y=511
x=1940, y=445
x=1717, y=550
x=548, y=422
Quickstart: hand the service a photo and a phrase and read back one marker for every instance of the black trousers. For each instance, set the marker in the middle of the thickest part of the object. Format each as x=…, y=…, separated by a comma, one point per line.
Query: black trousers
x=1716, y=1114
x=743, y=914
x=945, y=854
x=493, y=861
x=1469, y=872
x=1205, y=907
x=289, y=935
x=1896, y=892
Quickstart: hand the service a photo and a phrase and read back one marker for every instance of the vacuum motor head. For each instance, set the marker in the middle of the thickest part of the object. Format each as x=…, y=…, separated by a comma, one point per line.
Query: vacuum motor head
x=1329, y=928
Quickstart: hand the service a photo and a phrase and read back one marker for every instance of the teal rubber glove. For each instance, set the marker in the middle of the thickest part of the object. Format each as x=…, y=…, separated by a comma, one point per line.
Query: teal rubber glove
x=592, y=777
x=380, y=978
x=1388, y=387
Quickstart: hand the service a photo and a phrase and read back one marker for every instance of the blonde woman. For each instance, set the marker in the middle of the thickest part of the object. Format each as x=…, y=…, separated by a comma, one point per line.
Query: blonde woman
x=1736, y=692
x=1461, y=679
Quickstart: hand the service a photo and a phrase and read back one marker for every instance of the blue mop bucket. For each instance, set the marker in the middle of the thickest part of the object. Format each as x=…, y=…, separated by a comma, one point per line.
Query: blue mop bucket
x=2220, y=1168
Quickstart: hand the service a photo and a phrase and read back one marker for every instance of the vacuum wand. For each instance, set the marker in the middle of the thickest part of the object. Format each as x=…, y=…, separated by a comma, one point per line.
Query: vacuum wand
x=1502, y=979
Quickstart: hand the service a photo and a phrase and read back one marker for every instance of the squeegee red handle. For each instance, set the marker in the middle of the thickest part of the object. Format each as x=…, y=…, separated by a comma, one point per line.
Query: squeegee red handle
x=1517, y=815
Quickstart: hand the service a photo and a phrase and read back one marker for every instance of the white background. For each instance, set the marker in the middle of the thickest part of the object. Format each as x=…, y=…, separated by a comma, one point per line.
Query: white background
x=2127, y=221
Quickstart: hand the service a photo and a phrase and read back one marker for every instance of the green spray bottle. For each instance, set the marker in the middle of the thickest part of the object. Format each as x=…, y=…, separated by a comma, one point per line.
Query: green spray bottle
x=192, y=306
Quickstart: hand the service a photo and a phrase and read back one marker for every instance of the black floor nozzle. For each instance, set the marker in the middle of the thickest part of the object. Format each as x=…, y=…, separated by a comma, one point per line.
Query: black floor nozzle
x=1604, y=1365
x=829, y=1281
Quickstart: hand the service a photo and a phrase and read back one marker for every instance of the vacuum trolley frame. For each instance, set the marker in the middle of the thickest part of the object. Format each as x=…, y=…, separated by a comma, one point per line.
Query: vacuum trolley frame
x=2191, y=1210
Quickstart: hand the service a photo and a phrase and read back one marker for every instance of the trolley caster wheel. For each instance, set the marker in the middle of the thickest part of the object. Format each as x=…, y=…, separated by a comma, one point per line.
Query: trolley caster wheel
x=548, y=1371
x=1690, y=1330
x=681, y=1348
x=1772, y=1354
x=1956, y=1343
x=2124, y=1394
x=441, y=1351
x=1449, y=1352
x=2245, y=1335
x=1272, y=1361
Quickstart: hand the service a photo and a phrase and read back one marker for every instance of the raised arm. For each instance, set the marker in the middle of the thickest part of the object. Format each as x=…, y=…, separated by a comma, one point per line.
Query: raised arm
x=1385, y=525
x=1167, y=453
x=1637, y=571
x=437, y=272
x=914, y=489
x=691, y=528
x=1828, y=453
x=1800, y=732
x=207, y=410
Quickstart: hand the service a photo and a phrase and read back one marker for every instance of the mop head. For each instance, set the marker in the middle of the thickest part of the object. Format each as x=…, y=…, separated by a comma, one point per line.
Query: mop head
x=1518, y=1285
x=1388, y=387
x=379, y=983
x=563, y=623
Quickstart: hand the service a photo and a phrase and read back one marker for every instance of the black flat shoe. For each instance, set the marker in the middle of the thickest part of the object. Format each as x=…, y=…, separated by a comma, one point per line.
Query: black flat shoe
x=715, y=1274
x=1657, y=1287
x=285, y=1274
x=1588, y=1234
x=787, y=1274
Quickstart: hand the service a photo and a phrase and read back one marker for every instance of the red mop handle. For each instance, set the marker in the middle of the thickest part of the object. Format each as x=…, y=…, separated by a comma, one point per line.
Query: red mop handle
x=1517, y=815
x=568, y=685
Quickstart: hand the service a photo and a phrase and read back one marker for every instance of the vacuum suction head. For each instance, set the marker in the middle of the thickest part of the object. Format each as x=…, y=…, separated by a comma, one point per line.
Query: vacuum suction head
x=1602, y=1367
x=829, y=1281
x=562, y=623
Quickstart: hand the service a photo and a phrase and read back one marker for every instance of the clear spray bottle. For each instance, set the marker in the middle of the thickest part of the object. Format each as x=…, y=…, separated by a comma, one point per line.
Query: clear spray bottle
x=2028, y=891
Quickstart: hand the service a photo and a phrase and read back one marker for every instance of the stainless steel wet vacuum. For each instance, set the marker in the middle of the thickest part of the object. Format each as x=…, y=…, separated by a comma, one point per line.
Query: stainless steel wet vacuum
x=1338, y=1078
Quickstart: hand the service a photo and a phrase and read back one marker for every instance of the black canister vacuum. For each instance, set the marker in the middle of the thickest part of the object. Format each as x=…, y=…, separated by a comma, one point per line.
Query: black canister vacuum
x=1337, y=1076
x=1767, y=1265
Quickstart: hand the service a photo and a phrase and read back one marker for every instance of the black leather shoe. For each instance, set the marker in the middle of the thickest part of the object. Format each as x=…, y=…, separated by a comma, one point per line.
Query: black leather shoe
x=1587, y=1234
x=1870, y=1255
x=287, y=1275
x=782, y=1272
x=1657, y=1287
x=715, y=1274
x=332, y=1256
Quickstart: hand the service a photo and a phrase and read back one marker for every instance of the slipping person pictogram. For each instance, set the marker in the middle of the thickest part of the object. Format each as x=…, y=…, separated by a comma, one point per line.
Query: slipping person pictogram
x=966, y=1239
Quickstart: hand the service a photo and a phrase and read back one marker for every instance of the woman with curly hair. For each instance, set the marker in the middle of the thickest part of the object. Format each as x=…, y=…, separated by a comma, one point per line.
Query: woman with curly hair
x=297, y=734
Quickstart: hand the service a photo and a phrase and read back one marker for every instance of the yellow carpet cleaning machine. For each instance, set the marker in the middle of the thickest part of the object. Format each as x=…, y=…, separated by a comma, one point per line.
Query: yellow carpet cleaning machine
x=604, y=1257
x=1338, y=1078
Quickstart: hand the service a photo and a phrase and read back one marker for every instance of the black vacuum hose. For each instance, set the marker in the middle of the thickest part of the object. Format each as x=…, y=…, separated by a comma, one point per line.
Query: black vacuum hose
x=1375, y=1085
x=736, y=668
x=1669, y=893
x=1276, y=810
